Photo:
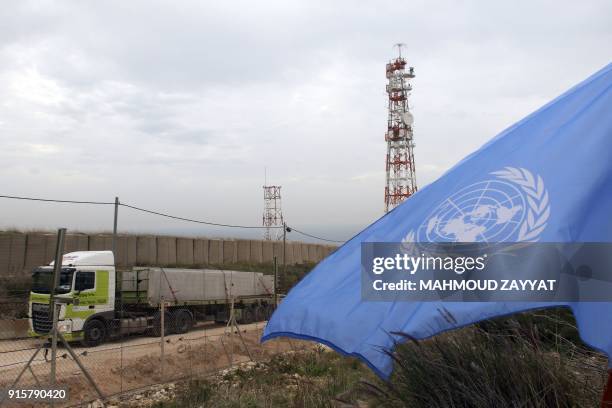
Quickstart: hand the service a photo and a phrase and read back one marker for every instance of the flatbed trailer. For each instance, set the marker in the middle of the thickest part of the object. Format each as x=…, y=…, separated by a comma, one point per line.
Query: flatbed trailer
x=104, y=303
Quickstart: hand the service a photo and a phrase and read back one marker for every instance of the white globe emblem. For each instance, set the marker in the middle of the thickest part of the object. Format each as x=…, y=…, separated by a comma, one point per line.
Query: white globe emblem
x=513, y=207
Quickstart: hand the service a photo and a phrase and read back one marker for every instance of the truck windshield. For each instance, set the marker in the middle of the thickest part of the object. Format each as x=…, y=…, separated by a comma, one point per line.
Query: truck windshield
x=42, y=280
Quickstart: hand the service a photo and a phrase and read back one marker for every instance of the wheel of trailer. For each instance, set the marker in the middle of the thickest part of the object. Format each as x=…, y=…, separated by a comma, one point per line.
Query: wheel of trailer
x=94, y=333
x=248, y=316
x=168, y=323
x=183, y=321
x=269, y=309
x=260, y=312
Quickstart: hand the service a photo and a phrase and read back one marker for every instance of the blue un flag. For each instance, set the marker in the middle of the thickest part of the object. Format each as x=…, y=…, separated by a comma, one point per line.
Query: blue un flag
x=548, y=178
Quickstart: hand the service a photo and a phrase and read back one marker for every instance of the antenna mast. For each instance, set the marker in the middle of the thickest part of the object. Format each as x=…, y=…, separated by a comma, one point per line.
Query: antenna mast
x=400, y=172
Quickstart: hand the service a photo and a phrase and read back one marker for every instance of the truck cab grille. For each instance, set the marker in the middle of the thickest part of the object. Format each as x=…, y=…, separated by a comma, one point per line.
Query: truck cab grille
x=41, y=323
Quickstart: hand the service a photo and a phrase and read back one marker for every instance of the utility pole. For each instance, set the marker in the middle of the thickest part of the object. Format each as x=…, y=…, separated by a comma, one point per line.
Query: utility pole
x=284, y=253
x=115, y=227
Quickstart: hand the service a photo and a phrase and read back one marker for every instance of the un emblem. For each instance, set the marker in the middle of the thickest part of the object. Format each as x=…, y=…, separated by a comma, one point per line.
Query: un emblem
x=511, y=207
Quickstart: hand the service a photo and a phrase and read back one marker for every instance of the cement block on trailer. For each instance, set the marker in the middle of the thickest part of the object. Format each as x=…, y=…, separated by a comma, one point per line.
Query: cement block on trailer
x=256, y=252
x=267, y=251
x=230, y=252
x=200, y=251
x=215, y=252
x=166, y=251
x=146, y=250
x=244, y=250
x=184, y=251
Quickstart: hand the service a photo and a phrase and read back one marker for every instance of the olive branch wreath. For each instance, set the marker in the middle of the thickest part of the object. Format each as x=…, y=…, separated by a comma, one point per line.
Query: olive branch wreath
x=537, y=201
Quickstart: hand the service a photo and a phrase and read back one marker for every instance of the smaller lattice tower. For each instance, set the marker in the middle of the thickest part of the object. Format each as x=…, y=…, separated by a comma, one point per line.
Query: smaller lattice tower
x=401, y=178
x=273, y=214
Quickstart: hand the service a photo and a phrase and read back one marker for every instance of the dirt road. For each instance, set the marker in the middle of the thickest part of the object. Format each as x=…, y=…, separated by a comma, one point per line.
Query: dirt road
x=135, y=362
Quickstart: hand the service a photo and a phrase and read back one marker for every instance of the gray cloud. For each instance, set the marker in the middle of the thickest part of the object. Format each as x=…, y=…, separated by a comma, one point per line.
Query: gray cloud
x=180, y=106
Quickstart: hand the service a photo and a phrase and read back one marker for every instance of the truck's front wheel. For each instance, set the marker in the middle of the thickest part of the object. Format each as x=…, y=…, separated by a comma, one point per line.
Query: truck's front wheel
x=94, y=333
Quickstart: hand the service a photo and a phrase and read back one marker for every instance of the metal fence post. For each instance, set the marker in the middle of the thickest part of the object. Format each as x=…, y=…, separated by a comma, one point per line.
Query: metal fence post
x=275, y=283
x=57, y=270
x=163, y=331
x=284, y=278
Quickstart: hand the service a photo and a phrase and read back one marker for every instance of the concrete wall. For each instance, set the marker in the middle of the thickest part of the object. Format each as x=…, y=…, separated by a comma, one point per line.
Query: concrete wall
x=20, y=252
x=184, y=251
x=230, y=252
x=12, y=253
x=146, y=250
x=215, y=251
x=200, y=251
x=166, y=251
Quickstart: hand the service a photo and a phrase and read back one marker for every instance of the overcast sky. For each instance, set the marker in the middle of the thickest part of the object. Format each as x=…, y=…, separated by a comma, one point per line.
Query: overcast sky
x=179, y=106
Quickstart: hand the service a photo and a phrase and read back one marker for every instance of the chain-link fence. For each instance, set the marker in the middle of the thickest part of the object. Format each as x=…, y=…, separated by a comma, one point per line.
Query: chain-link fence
x=130, y=362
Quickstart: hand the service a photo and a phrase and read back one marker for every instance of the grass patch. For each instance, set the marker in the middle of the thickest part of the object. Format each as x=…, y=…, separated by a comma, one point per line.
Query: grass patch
x=301, y=379
x=522, y=361
x=505, y=363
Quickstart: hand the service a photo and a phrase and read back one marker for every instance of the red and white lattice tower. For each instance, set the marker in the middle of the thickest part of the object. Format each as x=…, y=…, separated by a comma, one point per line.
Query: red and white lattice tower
x=401, y=178
x=273, y=214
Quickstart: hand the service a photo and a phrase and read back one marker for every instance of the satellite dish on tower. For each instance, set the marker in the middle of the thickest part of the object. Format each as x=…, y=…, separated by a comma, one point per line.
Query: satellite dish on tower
x=407, y=118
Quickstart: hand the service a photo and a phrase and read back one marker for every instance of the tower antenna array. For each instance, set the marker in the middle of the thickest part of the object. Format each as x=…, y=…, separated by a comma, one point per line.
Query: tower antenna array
x=400, y=173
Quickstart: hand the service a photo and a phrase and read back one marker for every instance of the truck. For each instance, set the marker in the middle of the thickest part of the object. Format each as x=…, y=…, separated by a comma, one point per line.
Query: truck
x=99, y=302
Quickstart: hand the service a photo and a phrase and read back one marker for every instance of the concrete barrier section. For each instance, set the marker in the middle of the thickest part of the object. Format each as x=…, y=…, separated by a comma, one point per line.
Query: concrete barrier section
x=184, y=251
x=100, y=242
x=5, y=252
x=13, y=329
x=215, y=251
x=17, y=254
x=289, y=254
x=244, y=250
x=277, y=250
x=256, y=252
x=312, y=253
x=12, y=253
x=50, y=243
x=305, y=258
x=166, y=251
x=22, y=252
x=230, y=252
x=35, y=249
x=132, y=247
x=267, y=251
x=146, y=250
x=76, y=242
x=200, y=251
x=320, y=253
x=298, y=253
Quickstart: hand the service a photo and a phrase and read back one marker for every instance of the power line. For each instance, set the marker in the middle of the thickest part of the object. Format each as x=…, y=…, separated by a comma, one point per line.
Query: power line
x=314, y=236
x=174, y=217
x=189, y=219
x=57, y=201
